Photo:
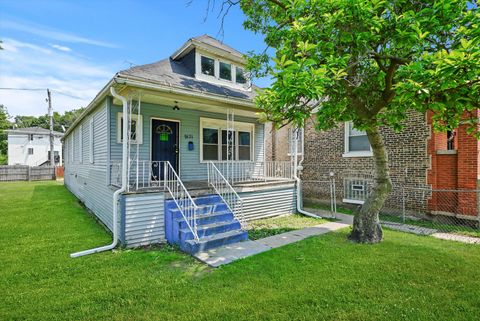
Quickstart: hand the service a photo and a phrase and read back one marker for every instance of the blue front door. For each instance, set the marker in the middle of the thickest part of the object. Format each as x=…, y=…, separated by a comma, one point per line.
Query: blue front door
x=164, y=146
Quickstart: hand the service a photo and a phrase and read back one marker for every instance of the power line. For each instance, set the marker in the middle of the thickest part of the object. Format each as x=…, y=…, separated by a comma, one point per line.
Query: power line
x=42, y=89
x=32, y=89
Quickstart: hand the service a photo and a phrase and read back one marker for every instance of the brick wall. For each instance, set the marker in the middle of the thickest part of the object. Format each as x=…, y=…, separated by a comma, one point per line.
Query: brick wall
x=407, y=153
x=452, y=170
x=277, y=143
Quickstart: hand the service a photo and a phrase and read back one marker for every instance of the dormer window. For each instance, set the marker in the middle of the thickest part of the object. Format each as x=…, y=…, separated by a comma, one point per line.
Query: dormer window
x=208, y=66
x=220, y=71
x=225, y=71
x=240, y=76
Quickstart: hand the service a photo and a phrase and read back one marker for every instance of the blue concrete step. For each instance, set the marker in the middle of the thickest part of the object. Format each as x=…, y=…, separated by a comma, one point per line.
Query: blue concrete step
x=207, y=200
x=223, y=216
x=212, y=241
x=210, y=229
x=202, y=209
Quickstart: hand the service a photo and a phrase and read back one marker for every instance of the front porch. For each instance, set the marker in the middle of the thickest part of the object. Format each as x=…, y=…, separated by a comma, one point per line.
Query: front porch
x=149, y=176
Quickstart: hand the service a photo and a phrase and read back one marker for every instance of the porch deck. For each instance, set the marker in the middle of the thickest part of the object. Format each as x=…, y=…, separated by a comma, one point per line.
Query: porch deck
x=201, y=187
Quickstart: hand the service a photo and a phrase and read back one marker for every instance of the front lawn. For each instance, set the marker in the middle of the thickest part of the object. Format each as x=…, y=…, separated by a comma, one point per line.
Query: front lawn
x=276, y=225
x=406, y=277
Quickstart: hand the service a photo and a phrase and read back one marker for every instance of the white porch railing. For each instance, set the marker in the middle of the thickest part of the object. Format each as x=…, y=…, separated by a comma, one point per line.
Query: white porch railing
x=240, y=171
x=223, y=188
x=156, y=174
x=181, y=197
x=147, y=174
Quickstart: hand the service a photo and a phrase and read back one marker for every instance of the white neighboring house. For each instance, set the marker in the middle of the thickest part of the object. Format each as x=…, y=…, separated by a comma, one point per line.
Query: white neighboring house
x=31, y=146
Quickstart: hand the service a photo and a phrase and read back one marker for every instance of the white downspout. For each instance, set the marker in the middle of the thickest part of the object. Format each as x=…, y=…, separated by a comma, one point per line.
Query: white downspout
x=122, y=189
x=295, y=175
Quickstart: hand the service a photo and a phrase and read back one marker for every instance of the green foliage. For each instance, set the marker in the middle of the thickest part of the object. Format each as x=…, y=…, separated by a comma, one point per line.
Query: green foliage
x=406, y=277
x=43, y=121
x=4, y=124
x=368, y=61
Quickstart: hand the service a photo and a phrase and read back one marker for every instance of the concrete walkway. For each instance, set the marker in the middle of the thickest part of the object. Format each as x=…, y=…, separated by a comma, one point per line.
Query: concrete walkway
x=232, y=252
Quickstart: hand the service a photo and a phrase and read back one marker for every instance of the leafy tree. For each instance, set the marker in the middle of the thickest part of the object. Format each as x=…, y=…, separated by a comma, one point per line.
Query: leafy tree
x=4, y=124
x=59, y=120
x=369, y=62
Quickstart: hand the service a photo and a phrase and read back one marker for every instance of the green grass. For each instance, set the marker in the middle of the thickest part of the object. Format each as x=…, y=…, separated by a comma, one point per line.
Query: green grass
x=443, y=227
x=406, y=277
x=272, y=226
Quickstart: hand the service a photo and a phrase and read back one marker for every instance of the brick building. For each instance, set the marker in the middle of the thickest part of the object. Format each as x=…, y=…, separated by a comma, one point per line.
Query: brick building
x=421, y=162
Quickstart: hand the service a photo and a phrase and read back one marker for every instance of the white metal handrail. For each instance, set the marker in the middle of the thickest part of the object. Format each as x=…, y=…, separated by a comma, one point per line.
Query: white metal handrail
x=244, y=171
x=225, y=190
x=181, y=197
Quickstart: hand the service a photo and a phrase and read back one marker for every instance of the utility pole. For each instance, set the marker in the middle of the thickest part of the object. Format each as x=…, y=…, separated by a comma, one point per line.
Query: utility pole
x=50, y=115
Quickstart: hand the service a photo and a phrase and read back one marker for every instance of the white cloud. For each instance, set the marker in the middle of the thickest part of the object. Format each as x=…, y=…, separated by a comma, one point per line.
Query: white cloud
x=61, y=48
x=49, y=33
x=25, y=65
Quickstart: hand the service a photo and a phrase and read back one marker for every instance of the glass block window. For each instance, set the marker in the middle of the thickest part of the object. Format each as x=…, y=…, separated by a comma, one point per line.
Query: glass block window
x=355, y=190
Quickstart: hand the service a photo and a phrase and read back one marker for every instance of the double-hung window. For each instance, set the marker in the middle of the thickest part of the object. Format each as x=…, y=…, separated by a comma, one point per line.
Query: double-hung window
x=218, y=143
x=356, y=142
x=136, y=129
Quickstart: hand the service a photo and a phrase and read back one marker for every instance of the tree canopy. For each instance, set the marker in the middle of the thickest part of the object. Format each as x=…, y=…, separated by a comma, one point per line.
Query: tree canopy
x=372, y=63
x=368, y=61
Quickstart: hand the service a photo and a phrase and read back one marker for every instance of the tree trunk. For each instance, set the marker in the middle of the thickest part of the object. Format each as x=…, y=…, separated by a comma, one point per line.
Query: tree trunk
x=366, y=224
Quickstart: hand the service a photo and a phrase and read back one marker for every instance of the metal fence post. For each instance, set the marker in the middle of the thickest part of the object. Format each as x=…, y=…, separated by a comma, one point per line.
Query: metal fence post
x=403, y=204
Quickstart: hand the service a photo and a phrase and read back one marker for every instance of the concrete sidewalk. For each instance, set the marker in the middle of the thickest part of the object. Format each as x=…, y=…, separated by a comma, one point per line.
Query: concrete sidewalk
x=232, y=252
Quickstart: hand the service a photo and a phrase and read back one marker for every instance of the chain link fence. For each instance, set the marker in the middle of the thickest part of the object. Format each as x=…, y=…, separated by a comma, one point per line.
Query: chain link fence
x=431, y=210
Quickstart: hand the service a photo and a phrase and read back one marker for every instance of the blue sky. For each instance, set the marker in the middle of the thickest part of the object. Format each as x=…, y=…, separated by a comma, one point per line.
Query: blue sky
x=75, y=47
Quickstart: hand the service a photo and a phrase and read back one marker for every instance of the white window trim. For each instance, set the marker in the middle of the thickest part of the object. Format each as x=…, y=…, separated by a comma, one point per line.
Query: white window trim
x=139, y=119
x=346, y=200
x=90, y=140
x=356, y=153
x=290, y=141
x=80, y=143
x=70, y=148
x=222, y=125
x=215, y=78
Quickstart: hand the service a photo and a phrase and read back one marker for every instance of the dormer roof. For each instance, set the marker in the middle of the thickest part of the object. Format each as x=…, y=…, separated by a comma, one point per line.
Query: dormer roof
x=209, y=44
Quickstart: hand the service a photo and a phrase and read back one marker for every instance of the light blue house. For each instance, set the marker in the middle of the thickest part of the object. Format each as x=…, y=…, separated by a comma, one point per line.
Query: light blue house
x=173, y=151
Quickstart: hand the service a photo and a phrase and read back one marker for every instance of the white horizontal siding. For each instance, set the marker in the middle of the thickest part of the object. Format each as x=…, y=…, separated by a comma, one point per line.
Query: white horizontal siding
x=143, y=219
x=88, y=181
x=268, y=203
x=190, y=166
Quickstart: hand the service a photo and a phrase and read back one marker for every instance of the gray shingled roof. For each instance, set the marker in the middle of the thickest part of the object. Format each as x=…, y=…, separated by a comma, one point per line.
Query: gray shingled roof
x=170, y=72
x=175, y=73
x=33, y=130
